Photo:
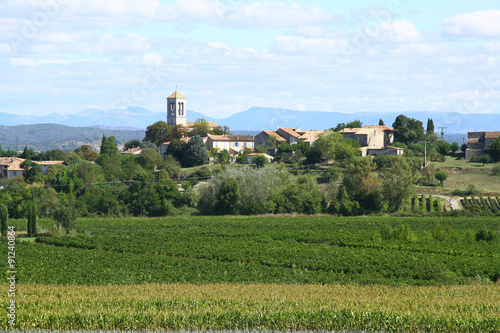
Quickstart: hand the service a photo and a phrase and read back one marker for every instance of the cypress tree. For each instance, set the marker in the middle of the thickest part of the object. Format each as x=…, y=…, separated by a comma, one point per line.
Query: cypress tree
x=381, y=122
x=430, y=126
x=4, y=216
x=31, y=217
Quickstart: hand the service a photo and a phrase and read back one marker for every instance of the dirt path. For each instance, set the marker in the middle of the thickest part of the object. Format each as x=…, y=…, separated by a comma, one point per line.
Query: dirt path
x=455, y=205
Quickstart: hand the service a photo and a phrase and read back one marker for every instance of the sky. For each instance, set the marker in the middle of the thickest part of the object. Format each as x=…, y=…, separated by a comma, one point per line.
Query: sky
x=226, y=56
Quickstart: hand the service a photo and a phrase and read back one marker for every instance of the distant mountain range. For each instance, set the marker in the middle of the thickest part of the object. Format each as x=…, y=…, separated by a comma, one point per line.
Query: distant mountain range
x=257, y=119
x=43, y=137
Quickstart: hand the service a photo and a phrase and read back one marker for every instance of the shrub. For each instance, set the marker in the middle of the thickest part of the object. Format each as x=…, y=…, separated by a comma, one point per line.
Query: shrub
x=4, y=217
x=485, y=234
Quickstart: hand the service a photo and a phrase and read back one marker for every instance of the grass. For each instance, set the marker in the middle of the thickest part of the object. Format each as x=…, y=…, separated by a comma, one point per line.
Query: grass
x=485, y=182
x=257, y=306
x=457, y=162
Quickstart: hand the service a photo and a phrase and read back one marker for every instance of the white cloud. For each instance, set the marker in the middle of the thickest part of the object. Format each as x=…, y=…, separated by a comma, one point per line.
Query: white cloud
x=301, y=45
x=401, y=31
x=484, y=23
x=22, y=62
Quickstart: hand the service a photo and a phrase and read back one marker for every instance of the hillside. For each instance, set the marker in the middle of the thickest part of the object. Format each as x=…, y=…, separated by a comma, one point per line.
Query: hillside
x=44, y=137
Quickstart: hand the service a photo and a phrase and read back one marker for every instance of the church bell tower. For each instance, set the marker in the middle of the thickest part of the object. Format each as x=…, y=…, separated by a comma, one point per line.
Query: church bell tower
x=176, y=109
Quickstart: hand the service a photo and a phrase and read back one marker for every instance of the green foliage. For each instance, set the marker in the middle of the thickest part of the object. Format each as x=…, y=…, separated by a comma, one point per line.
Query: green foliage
x=454, y=146
x=260, y=161
x=352, y=124
x=223, y=157
x=485, y=234
x=443, y=147
x=31, y=218
x=494, y=150
x=194, y=152
x=32, y=172
x=109, y=148
x=430, y=126
x=86, y=152
x=158, y=133
x=398, y=183
x=484, y=159
x=441, y=176
x=4, y=217
x=65, y=217
x=149, y=159
x=132, y=144
x=171, y=166
x=200, y=127
x=260, y=149
x=408, y=130
x=332, y=146
x=313, y=249
x=254, y=187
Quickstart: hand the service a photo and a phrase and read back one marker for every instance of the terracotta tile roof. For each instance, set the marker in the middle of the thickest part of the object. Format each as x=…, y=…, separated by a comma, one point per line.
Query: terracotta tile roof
x=186, y=140
x=12, y=163
x=241, y=138
x=133, y=151
x=46, y=163
x=311, y=136
x=381, y=127
x=273, y=133
x=176, y=94
x=218, y=137
x=290, y=131
x=491, y=135
x=350, y=130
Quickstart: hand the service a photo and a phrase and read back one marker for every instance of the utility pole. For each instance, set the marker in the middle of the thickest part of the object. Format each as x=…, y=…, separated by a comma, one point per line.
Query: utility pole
x=425, y=152
x=442, y=132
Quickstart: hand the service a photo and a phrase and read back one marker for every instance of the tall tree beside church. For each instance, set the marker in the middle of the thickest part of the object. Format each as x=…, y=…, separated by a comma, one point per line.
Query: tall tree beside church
x=200, y=127
x=158, y=133
x=195, y=152
x=179, y=132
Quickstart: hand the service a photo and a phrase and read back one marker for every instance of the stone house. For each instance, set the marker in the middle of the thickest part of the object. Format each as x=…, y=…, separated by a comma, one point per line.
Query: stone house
x=374, y=140
x=10, y=167
x=477, y=142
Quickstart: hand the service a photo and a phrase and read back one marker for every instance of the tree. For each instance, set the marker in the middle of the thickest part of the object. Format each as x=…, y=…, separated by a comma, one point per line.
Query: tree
x=149, y=159
x=408, y=130
x=223, y=157
x=332, y=146
x=381, y=122
x=158, y=133
x=484, y=159
x=430, y=126
x=87, y=153
x=352, y=124
x=441, y=176
x=260, y=161
x=494, y=150
x=195, y=152
x=454, y=147
x=463, y=147
x=179, y=132
x=32, y=171
x=361, y=183
x=443, y=147
x=27, y=153
x=228, y=198
x=31, y=215
x=109, y=147
x=200, y=127
x=65, y=216
x=398, y=183
x=175, y=149
x=4, y=217
x=132, y=144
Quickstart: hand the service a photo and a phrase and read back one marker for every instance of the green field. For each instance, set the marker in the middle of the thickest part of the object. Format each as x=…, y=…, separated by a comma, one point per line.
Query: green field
x=312, y=249
x=385, y=273
x=457, y=162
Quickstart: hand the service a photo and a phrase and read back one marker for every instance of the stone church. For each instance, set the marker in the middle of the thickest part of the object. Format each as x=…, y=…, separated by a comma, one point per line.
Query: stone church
x=177, y=111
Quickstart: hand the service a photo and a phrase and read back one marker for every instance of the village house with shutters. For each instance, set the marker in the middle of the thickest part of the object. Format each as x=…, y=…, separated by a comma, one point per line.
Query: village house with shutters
x=10, y=167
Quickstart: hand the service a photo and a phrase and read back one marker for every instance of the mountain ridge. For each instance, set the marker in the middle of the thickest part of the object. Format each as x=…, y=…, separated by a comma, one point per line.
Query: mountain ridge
x=257, y=119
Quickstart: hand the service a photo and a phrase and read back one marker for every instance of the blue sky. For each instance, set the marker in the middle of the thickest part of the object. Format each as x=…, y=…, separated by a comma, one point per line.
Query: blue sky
x=226, y=56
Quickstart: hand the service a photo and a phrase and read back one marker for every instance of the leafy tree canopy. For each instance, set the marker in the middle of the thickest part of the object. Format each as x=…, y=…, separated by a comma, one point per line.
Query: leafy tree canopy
x=158, y=133
x=408, y=130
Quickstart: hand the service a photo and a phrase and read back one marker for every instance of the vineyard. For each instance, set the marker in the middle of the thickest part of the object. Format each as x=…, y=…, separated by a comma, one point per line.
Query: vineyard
x=280, y=273
x=489, y=204
x=320, y=249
